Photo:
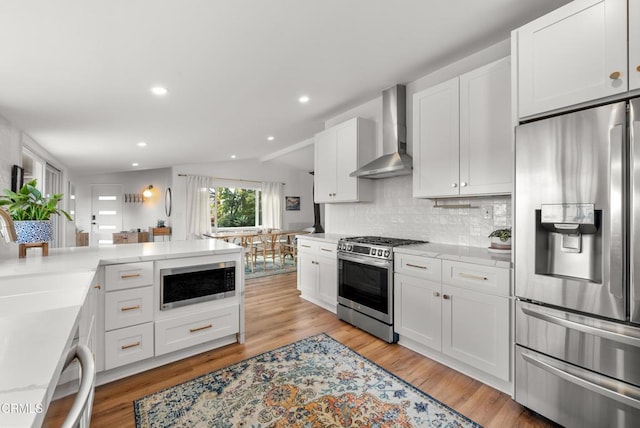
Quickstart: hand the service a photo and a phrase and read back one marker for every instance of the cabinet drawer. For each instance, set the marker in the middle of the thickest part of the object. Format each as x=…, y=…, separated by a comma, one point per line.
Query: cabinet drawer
x=328, y=249
x=181, y=332
x=486, y=279
x=307, y=246
x=128, y=275
x=418, y=266
x=128, y=345
x=128, y=307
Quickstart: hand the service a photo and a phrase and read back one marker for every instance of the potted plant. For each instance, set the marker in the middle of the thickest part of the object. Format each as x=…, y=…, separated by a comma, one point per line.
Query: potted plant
x=31, y=212
x=501, y=239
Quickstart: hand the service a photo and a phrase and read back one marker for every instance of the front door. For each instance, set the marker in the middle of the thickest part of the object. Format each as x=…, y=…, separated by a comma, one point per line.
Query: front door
x=106, y=212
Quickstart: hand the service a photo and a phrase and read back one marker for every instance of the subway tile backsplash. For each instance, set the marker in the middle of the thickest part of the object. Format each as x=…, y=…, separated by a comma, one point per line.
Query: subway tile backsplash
x=396, y=213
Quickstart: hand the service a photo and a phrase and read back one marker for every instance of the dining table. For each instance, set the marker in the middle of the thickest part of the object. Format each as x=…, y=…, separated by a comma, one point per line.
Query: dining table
x=275, y=241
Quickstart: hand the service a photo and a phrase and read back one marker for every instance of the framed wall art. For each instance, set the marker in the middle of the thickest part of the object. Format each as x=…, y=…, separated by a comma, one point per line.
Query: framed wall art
x=292, y=203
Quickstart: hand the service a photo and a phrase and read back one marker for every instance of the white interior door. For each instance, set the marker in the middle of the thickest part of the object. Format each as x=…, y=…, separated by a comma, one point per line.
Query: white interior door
x=106, y=212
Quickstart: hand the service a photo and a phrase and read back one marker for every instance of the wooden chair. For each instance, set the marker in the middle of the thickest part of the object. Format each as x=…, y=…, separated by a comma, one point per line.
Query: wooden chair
x=289, y=247
x=266, y=245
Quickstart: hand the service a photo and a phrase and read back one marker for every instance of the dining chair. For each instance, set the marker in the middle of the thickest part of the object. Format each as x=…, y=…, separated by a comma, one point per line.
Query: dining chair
x=266, y=245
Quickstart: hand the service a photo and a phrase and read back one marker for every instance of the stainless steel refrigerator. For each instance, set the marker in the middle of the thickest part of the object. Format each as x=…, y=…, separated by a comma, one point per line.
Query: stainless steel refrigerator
x=577, y=266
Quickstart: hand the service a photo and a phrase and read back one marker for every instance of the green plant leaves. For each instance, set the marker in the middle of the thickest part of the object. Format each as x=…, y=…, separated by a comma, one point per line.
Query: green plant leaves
x=29, y=203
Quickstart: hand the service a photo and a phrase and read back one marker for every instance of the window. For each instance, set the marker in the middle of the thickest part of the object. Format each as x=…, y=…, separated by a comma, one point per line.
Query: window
x=235, y=207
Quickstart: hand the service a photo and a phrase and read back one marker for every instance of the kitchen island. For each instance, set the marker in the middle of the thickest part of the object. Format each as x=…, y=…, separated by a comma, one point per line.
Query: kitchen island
x=48, y=303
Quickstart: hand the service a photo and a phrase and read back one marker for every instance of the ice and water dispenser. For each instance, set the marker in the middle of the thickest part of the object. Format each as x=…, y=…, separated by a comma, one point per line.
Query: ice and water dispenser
x=569, y=241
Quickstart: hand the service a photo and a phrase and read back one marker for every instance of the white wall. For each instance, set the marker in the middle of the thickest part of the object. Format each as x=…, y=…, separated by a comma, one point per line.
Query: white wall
x=297, y=183
x=394, y=212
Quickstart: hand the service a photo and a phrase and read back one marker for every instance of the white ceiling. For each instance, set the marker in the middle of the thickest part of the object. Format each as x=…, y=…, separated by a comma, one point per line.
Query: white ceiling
x=75, y=74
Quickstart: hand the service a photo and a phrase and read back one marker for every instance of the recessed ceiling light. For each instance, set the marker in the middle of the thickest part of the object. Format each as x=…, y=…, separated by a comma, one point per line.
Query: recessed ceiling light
x=271, y=138
x=135, y=164
x=159, y=90
x=233, y=156
x=303, y=99
x=142, y=144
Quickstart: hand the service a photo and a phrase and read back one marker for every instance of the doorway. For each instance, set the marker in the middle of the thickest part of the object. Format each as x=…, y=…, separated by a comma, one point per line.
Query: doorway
x=106, y=213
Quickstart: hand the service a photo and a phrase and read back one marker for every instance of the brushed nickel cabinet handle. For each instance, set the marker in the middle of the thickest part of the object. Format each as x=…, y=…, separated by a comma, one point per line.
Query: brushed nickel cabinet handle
x=204, y=327
x=446, y=296
x=328, y=250
x=436, y=294
x=468, y=275
x=615, y=75
x=133, y=345
x=416, y=266
x=130, y=275
x=129, y=308
x=305, y=246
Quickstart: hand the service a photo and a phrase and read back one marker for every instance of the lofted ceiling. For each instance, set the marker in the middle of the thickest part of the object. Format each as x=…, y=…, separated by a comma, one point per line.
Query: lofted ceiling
x=76, y=74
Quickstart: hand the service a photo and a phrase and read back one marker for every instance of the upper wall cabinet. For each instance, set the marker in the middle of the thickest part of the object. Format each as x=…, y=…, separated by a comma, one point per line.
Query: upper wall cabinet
x=462, y=135
x=575, y=54
x=339, y=151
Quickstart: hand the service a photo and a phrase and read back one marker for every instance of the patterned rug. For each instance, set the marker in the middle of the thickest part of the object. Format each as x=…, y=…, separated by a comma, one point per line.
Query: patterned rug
x=271, y=268
x=315, y=382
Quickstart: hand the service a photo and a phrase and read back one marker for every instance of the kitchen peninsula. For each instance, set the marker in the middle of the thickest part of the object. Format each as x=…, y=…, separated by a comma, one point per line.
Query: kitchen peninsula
x=108, y=298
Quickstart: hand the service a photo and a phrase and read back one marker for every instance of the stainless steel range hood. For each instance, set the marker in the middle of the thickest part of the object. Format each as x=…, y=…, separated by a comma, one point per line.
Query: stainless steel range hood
x=395, y=160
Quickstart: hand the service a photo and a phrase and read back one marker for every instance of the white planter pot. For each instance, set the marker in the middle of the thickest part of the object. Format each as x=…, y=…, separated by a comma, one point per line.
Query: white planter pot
x=29, y=231
x=498, y=244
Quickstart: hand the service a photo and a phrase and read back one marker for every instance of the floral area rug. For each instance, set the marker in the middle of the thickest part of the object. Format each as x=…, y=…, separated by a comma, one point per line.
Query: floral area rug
x=259, y=269
x=315, y=382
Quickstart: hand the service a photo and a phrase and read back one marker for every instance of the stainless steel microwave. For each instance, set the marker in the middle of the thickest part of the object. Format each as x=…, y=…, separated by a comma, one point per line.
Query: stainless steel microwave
x=187, y=285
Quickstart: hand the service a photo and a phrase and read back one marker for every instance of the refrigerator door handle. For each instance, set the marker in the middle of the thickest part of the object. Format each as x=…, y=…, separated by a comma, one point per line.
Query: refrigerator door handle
x=600, y=332
x=615, y=390
x=634, y=203
x=616, y=235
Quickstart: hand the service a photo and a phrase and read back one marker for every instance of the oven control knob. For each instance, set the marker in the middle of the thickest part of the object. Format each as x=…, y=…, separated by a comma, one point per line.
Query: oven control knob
x=340, y=246
x=349, y=247
x=386, y=253
x=372, y=251
x=380, y=252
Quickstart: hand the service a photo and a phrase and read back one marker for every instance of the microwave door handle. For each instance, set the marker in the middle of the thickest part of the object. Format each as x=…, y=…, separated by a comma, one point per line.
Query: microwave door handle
x=616, y=236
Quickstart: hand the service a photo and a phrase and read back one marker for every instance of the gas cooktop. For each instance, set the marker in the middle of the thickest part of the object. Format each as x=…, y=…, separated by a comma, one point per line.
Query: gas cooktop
x=373, y=246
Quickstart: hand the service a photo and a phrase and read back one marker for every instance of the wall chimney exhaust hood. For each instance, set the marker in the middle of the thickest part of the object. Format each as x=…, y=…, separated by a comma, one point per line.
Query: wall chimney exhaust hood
x=395, y=160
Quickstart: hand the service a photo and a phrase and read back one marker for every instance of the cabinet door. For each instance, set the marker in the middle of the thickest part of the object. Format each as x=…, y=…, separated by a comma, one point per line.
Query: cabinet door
x=486, y=157
x=325, y=166
x=571, y=55
x=436, y=140
x=328, y=279
x=307, y=274
x=417, y=310
x=475, y=329
x=346, y=161
x=634, y=44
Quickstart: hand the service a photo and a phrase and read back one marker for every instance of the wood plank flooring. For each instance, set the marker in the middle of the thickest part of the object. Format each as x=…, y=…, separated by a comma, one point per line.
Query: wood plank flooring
x=276, y=316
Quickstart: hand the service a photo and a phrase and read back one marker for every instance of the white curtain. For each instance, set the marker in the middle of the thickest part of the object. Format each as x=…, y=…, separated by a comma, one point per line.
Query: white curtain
x=198, y=213
x=272, y=197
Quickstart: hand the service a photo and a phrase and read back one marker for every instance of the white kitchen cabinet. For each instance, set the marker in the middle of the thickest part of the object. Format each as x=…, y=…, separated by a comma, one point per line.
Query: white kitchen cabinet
x=455, y=312
x=128, y=345
x=634, y=44
x=339, y=151
x=575, y=54
x=462, y=135
x=418, y=310
x=318, y=272
x=475, y=329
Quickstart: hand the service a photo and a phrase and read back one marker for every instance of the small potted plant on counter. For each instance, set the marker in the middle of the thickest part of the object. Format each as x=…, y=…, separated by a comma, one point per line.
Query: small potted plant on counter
x=31, y=212
x=501, y=240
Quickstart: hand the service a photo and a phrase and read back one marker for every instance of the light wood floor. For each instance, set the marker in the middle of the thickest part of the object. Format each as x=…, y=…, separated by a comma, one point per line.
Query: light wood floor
x=276, y=316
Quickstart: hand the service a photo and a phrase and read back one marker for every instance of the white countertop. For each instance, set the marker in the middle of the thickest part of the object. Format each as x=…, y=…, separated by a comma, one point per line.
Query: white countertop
x=40, y=303
x=477, y=255
x=324, y=237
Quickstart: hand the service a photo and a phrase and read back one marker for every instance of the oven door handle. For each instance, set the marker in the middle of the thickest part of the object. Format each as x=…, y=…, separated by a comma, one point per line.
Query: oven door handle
x=366, y=261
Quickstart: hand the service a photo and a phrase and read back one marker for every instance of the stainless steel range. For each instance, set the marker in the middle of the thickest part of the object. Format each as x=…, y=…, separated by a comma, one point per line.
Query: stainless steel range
x=365, y=283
